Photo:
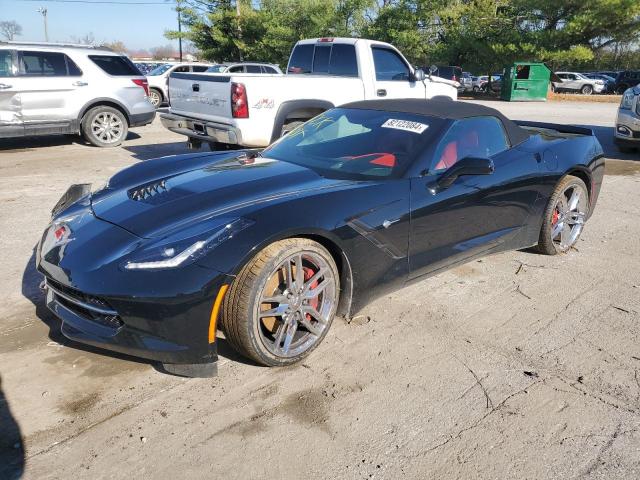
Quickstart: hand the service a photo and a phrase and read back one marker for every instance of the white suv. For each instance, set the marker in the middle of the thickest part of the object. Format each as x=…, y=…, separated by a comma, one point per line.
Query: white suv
x=48, y=89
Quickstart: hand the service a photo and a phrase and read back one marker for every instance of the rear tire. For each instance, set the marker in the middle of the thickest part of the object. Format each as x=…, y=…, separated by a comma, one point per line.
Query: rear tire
x=269, y=283
x=104, y=126
x=564, y=216
x=155, y=97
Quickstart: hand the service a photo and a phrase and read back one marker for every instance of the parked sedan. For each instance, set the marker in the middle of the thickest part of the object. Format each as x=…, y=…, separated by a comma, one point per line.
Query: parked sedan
x=577, y=82
x=272, y=245
x=159, y=78
x=609, y=82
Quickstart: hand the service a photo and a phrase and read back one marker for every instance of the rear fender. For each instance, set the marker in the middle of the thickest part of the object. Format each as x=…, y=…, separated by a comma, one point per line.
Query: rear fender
x=298, y=109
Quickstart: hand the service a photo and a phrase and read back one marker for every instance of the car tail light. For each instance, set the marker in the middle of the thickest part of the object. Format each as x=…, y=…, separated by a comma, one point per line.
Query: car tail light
x=239, y=105
x=326, y=40
x=142, y=83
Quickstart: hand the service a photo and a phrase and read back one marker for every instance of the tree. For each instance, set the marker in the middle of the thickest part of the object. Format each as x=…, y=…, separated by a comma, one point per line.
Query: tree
x=164, y=52
x=117, y=46
x=481, y=35
x=10, y=29
x=86, y=39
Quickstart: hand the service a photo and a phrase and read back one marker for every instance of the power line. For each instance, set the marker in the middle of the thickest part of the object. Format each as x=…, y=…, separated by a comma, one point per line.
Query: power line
x=99, y=2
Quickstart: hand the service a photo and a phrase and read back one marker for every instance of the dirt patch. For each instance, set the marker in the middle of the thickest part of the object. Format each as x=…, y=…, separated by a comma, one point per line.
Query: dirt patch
x=621, y=167
x=81, y=405
x=575, y=97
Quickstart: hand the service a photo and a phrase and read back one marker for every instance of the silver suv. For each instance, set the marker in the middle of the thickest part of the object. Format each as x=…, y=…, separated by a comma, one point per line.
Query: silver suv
x=50, y=89
x=577, y=82
x=627, y=133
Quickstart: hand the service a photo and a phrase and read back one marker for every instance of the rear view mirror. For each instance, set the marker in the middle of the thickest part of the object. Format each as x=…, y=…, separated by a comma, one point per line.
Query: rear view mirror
x=465, y=166
x=418, y=75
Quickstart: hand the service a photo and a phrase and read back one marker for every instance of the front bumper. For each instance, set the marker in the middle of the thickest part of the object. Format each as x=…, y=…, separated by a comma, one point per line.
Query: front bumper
x=166, y=316
x=627, y=131
x=201, y=129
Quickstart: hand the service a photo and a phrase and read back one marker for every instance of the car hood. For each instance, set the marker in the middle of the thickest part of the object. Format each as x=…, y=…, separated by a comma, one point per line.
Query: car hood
x=152, y=202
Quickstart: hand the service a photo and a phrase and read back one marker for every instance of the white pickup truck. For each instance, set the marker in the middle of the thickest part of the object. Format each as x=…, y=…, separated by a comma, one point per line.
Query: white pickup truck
x=253, y=110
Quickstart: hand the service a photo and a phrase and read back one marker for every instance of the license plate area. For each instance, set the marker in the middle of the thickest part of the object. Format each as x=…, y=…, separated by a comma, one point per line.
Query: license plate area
x=199, y=128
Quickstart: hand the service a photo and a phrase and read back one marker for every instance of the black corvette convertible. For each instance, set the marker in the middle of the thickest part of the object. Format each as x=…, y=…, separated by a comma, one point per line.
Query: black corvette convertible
x=269, y=246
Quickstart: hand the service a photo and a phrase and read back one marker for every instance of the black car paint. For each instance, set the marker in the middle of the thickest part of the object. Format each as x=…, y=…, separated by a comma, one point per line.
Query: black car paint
x=382, y=233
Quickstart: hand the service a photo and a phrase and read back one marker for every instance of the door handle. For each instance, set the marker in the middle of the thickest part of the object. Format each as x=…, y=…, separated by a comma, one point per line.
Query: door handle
x=79, y=84
x=381, y=92
x=4, y=86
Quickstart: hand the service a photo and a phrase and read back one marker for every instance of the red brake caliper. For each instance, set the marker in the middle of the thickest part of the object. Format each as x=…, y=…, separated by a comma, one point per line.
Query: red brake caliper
x=554, y=218
x=308, y=273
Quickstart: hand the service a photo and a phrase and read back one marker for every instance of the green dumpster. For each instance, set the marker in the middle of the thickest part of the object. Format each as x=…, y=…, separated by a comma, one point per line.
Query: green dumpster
x=525, y=82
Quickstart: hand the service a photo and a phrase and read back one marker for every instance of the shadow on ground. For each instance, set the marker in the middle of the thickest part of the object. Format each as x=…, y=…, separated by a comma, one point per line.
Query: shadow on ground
x=605, y=137
x=12, y=458
x=27, y=143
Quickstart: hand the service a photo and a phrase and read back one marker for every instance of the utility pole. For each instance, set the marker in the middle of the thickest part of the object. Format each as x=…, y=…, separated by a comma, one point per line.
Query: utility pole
x=43, y=11
x=179, y=10
x=179, y=31
x=239, y=27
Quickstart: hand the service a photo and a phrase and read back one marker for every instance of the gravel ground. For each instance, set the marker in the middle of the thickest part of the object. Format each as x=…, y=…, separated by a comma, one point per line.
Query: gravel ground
x=513, y=366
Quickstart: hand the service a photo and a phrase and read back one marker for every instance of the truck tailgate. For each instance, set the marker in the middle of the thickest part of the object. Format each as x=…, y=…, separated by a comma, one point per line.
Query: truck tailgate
x=200, y=95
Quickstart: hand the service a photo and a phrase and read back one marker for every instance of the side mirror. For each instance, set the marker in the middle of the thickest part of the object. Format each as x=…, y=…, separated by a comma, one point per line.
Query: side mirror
x=418, y=75
x=465, y=166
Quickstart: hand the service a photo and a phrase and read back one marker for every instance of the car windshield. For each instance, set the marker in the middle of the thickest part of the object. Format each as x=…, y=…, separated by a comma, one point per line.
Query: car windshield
x=159, y=70
x=357, y=144
x=217, y=68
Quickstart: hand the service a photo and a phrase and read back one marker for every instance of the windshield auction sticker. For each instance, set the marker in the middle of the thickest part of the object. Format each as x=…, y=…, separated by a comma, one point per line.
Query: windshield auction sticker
x=406, y=125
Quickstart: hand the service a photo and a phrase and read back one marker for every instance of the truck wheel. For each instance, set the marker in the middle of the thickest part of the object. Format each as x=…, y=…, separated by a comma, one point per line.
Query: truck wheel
x=281, y=305
x=287, y=127
x=564, y=216
x=155, y=97
x=104, y=126
x=586, y=90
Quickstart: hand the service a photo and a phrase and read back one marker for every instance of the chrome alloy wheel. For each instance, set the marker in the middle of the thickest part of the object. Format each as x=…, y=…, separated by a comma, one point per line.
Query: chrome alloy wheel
x=569, y=215
x=155, y=98
x=107, y=127
x=296, y=304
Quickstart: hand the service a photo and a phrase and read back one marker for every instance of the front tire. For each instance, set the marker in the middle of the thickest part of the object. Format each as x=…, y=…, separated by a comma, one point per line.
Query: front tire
x=105, y=126
x=564, y=216
x=586, y=90
x=282, y=303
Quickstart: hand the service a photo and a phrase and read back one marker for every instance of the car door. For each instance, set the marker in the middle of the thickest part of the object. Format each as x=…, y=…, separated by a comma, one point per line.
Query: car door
x=392, y=75
x=572, y=82
x=477, y=213
x=10, y=114
x=48, y=84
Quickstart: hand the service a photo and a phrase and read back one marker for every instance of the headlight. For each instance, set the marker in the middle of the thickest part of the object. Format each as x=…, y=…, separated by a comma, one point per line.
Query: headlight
x=185, y=247
x=627, y=100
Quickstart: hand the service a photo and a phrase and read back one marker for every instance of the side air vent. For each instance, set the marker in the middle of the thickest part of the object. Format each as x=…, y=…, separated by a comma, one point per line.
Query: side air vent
x=143, y=192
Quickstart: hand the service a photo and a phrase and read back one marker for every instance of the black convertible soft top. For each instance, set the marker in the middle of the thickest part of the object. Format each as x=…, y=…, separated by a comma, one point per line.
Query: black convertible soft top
x=443, y=108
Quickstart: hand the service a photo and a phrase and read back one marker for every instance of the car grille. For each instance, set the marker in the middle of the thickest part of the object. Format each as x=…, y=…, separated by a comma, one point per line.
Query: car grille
x=88, y=307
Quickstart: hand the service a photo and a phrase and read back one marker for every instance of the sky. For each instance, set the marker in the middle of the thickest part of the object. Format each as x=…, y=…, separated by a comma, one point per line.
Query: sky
x=137, y=26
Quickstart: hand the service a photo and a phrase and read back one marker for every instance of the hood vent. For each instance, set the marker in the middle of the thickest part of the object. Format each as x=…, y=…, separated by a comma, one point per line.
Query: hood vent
x=147, y=191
